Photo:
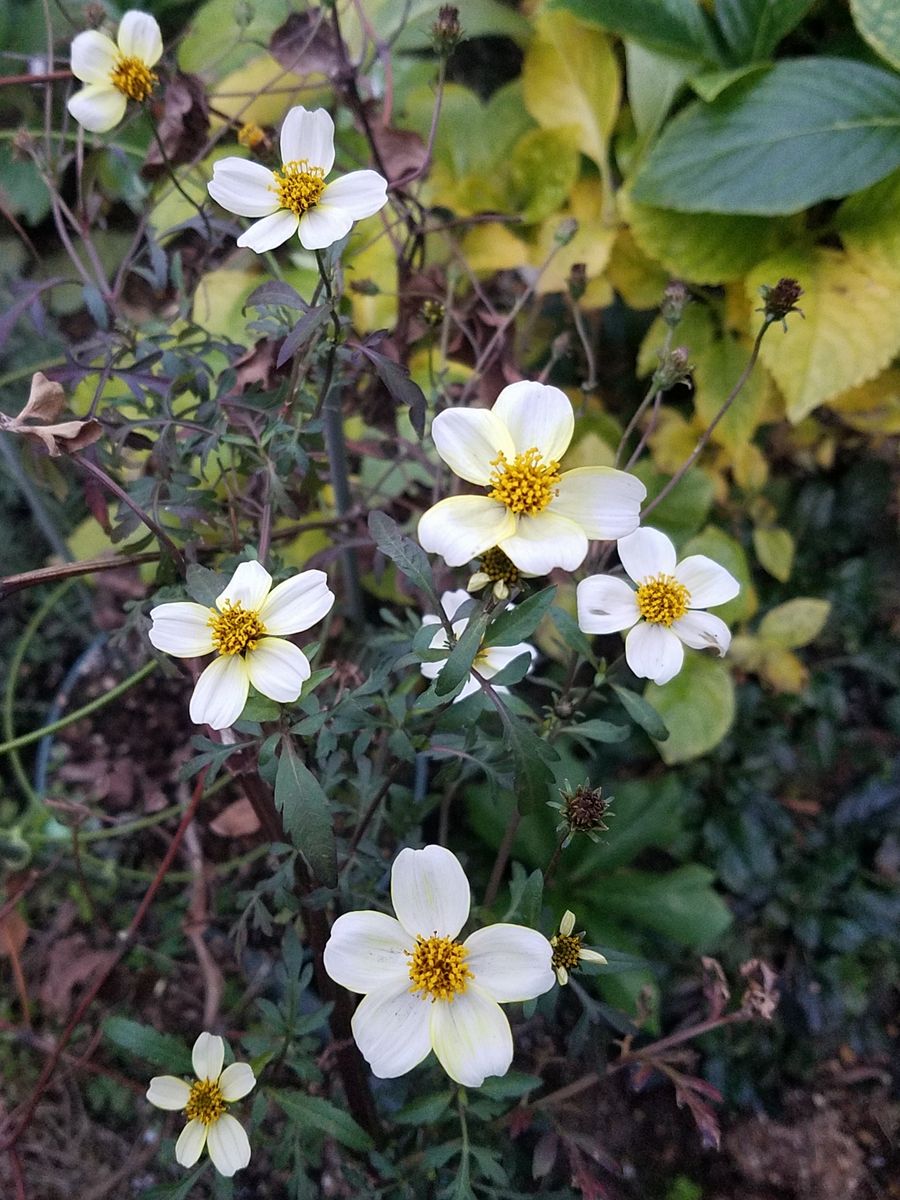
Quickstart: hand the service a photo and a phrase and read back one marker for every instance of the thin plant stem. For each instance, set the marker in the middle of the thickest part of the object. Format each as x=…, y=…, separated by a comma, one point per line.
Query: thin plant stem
x=110, y=484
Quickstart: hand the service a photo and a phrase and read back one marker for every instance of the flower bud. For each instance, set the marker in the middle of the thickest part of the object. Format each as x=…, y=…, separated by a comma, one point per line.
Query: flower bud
x=675, y=299
x=780, y=300
x=446, y=32
x=577, y=281
x=674, y=367
x=583, y=810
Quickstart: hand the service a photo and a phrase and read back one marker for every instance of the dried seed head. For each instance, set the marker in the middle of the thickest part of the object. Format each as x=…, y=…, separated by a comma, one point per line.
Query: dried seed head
x=675, y=299
x=780, y=300
x=446, y=32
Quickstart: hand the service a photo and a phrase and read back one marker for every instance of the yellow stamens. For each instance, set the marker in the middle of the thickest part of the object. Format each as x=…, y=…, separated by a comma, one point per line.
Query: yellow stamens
x=299, y=186
x=566, y=950
x=527, y=484
x=205, y=1103
x=663, y=600
x=234, y=630
x=499, y=568
x=437, y=968
x=133, y=77
x=250, y=135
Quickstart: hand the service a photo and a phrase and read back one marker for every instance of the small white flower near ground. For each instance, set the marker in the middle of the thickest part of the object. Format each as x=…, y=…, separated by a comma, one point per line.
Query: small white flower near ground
x=114, y=72
x=489, y=660
x=246, y=630
x=296, y=198
x=204, y=1103
x=568, y=952
x=423, y=989
x=664, y=613
x=540, y=516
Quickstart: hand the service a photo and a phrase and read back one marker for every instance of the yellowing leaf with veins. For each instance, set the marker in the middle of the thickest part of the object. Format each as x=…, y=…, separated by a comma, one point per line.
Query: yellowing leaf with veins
x=851, y=331
x=874, y=407
x=494, y=247
x=571, y=77
x=591, y=245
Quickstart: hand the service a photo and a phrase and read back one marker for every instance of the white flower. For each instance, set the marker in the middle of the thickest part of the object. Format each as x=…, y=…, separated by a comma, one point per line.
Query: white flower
x=664, y=611
x=539, y=517
x=204, y=1106
x=488, y=661
x=425, y=990
x=296, y=198
x=115, y=72
x=246, y=629
x=568, y=952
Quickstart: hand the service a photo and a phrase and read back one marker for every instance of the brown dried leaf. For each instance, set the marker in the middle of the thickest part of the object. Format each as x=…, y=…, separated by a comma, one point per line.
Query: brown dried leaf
x=761, y=995
x=306, y=44
x=13, y=933
x=237, y=820
x=183, y=126
x=46, y=402
x=715, y=987
x=71, y=963
x=402, y=152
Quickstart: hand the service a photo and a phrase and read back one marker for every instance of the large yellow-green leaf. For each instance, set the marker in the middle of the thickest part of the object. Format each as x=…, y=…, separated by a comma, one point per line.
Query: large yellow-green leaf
x=542, y=170
x=879, y=23
x=869, y=225
x=718, y=364
x=728, y=553
x=795, y=623
x=214, y=45
x=874, y=407
x=697, y=707
x=775, y=551
x=591, y=245
x=570, y=77
x=851, y=331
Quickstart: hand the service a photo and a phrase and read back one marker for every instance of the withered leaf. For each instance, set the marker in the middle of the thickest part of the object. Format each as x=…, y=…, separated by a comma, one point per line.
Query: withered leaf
x=45, y=403
x=183, y=126
x=306, y=44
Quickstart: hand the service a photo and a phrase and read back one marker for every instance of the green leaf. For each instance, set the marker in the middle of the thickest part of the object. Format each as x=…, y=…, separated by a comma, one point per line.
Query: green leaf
x=710, y=84
x=654, y=80
x=753, y=28
x=809, y=130
x=411, y=559
x=160, y=1049
x=795, y=623
x=728, y=553
x=180, y=1190
x=680, y=905
x=305, y=814
x=697, y=707
x=514, y=671
x=510, y=1086
x=203, y=585
x=641, y=712
x=532, y=896
x=542, y=171
x=879, y=23
x=677, y=27
x=570, y=633
x=519, y=622
x=686, y=507
x=531, y=754
x=425, y=1110
x=461, y=658
x=643, y=813
x=599, y=731
x=775, y=551
x=315, y=1112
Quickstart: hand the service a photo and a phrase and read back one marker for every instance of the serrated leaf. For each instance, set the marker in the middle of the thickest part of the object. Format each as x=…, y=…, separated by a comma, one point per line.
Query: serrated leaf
x=879, y=23
x=160, y=1049
x=306, y=814
x=510, y=1086
x=676, y=27
x=641, y=712
x=851, y=330
x=543, y=168
x=795, y=623
x=520, y=621
x=809, y=130
x=570, y=77
x=411, y=559
x=775, y=551
x=697, y=707
x=315, y=1112
x=204, y=585
x=753, y=28
x=404, y=390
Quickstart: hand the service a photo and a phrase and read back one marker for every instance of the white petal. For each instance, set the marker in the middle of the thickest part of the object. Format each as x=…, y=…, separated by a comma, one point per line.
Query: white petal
x=708, y=583
x=495, y=658
x=221, y=692
x=139, y=37
x=360, y=194
x=98, y=107
x=462, y=527
x=606, y=503
x=510, y=962
x=228, y=1145
x=207, y=1056
x=278, y=669
x=270, y=232
x=181, y=629
x=469, y=440
x=469, y=688
x=93, y=57
x=165, y=1091
x=308, y=135
x=702, y=631
x=367, y=951
x=605, y=604
x=567, y=924
x=297, y=603
x=190, y=1143
x=646, y=553
x=471, y=1037
x=653, y=652
x=236, y=1081
x=451, y=603
x=390, y=1026
x=592, y=956
x=322, y=226
x=536, y=415
x=249, y=586
x=546, y=541
x=429, y=892
x=243, y=187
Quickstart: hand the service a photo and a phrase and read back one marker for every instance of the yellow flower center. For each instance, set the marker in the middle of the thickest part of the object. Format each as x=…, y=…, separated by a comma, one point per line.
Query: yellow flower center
x=299, y=186
x=250, y=135
x=499, y=568
x=133, y=77
x=235, y=630
x=205, y=1103
x=525, y=485
x=663, y=600
x=566, y=950
x=437, y=968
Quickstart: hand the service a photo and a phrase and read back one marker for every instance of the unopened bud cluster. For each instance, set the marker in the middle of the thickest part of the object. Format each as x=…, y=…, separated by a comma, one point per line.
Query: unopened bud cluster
x=583, y=810
x=675, y=299
x=780, y=300
x=446, y=31
x=674, y=367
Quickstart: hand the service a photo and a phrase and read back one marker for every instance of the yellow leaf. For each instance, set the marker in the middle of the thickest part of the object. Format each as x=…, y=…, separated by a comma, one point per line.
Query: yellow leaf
x=590, y=451
x=869, y=226
x=672, y=442
x=783, y=670
x=874, y=407
x=851, y=331
x=219, y=299
x=718, y=364
x=749, y=467
x=260, y=91
x=795, y=623
x=638, y=279
x=775, y=551
x=591, y=245
x=369, y=257
x=494, y=247
x=571, y=77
